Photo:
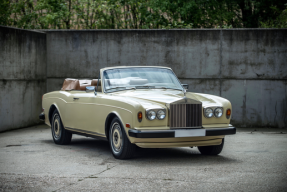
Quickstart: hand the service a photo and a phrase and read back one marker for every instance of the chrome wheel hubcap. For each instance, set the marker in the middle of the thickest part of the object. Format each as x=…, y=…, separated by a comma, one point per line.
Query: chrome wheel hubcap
x=57, y=127
x=116, y=140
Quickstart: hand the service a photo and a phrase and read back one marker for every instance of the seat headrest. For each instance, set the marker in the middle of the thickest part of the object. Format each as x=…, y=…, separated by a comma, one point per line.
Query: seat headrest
x=84, y=83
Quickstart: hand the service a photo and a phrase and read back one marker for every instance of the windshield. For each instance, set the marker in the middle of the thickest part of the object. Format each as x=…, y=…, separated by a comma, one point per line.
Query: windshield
x=140, y=78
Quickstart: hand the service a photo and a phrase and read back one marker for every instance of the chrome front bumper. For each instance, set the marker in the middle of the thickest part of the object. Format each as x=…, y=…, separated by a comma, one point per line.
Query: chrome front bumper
x=182, y=132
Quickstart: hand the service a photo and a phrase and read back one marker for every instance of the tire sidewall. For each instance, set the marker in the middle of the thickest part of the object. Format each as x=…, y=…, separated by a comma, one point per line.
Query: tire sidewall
x=211, y=150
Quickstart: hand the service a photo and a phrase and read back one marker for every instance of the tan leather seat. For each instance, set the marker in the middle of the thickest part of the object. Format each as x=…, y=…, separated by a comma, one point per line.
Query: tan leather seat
x=71, y=84
x=84, y=83
x=95, y=82
x=75, y=84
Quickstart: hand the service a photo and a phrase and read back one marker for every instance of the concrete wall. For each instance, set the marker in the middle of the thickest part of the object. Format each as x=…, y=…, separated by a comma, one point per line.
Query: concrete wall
x=22, y=77
x=246, y=66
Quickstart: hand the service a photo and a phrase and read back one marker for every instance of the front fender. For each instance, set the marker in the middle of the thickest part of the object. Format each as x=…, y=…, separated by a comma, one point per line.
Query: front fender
x=124, y=118
x=51, y=110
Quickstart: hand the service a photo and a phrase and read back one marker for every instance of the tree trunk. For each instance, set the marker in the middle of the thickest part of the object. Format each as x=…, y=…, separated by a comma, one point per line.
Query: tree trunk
x=249, y=20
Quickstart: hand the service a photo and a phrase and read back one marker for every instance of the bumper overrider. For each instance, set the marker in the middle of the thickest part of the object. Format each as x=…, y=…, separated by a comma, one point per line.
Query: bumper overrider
x=42, y=116
x=182, y=132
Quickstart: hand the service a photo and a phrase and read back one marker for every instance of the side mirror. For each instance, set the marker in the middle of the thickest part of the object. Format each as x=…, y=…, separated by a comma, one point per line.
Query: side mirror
x=185, y=86
x=90, y=89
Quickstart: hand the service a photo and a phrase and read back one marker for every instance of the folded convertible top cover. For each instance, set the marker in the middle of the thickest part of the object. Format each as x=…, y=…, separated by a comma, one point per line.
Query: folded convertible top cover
x=71, y=84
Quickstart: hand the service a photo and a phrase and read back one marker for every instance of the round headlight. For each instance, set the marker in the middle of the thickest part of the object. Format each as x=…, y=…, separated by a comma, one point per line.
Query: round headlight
x=218, y=112
x=160, y=114
x=150, y=115
x=208, y=112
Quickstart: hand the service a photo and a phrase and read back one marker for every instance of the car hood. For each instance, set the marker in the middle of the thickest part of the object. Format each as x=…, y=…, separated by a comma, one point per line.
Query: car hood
x=159, y=98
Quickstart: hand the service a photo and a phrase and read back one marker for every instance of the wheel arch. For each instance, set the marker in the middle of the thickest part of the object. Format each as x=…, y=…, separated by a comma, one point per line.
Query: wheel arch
x=109, y=120
x=54, y=107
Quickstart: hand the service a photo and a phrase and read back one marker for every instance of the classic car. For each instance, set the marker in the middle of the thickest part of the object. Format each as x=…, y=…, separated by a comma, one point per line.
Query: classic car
x=143, y=106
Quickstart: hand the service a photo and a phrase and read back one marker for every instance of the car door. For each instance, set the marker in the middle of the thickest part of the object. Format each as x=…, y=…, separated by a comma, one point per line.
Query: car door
x=81, y=111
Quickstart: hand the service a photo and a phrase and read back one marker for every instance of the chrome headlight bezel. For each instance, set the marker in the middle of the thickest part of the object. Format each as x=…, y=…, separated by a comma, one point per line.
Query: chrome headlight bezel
x=156, y=111
x=214, y=112
x=208, y=109
x=148, y=115
x=158, y=115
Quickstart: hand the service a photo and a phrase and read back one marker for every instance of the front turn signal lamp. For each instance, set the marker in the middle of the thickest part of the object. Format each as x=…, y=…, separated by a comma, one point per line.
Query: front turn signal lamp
x=228, y=113
x=140, y=116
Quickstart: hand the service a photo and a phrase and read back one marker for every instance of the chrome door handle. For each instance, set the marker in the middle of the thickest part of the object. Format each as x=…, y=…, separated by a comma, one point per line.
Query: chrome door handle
x=75, y=98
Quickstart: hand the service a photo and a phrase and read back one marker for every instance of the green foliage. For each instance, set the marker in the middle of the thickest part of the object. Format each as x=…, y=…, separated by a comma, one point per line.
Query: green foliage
x=141, y=14
x=224, y=27
x=279, y=22
x=178, y=25
x=5, y=12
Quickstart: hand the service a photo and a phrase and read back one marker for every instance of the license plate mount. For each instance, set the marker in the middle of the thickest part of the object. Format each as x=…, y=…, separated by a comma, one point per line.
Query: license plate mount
x=190, y=133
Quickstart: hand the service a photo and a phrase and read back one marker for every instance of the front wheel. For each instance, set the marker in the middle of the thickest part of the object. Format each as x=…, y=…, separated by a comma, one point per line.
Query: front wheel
x=211, y=150
x=60, y=135
x=120, y=145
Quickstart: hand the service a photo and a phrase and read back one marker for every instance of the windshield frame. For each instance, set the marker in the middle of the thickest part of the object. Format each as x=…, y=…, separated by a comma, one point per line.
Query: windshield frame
x=103, y=79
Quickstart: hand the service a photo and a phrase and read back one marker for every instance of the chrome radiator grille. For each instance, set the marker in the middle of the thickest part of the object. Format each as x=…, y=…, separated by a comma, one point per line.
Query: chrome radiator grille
x=185, y=115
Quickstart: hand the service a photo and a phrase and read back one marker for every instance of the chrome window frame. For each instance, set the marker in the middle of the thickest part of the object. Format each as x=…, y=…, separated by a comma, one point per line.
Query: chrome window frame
x=104, y=84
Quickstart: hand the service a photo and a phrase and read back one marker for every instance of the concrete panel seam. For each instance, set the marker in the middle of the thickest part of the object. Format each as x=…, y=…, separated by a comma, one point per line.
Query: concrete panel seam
x=220, y=63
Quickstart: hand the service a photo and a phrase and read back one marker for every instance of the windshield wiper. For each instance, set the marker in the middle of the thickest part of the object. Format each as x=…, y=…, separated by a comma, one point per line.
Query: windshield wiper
x=122, y=88
x=131, y=88
x=116, y=88
x=168, y=88
x=145, y=87
x=161, y=88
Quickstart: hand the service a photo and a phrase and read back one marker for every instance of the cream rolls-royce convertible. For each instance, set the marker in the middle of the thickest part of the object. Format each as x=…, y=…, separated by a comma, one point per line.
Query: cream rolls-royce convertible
x=144, y=106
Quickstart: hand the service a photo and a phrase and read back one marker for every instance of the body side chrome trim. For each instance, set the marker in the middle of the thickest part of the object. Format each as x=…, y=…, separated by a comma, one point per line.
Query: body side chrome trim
x=90, y=133
x=101, y=105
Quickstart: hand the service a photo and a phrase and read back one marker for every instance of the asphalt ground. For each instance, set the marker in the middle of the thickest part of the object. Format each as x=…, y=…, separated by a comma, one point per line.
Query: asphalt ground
x=252, y=160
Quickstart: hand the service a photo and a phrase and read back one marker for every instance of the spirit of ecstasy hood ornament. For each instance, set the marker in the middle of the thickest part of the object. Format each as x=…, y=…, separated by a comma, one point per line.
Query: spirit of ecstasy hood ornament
x=184, y=97
x=184, y=100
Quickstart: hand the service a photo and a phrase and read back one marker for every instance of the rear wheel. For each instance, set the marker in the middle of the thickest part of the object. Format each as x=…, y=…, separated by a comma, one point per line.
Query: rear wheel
x=211, y=150
x=60, y=135
x=120, y=145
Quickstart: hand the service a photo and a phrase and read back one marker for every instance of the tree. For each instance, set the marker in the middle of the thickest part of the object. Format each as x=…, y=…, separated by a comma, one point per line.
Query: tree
x=139, y=14
x=279, y=22
x=5, y=12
